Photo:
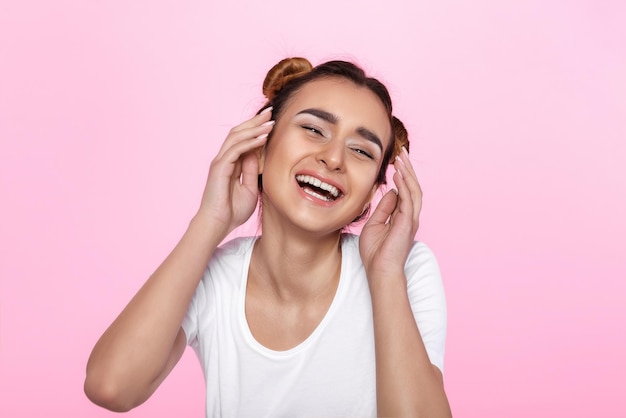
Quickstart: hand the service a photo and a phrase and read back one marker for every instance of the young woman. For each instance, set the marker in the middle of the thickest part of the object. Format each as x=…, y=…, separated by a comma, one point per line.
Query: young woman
x=305, y=319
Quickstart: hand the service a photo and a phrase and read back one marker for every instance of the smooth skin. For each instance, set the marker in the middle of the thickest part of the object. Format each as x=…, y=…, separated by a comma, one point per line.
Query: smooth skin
x=146, y=340
x=407, y=384
x=290, y=286
x=296, y=263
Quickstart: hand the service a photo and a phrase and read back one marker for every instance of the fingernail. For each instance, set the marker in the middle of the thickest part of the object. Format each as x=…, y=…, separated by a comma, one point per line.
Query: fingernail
x=267, y=109
x=398, y=159
x=399, y=168
x=268, y=123
x=405, y=151
x=262, y=136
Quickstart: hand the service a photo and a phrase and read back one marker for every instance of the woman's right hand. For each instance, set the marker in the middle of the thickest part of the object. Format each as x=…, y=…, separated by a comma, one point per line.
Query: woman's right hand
x=143, y=344
x=231, y=192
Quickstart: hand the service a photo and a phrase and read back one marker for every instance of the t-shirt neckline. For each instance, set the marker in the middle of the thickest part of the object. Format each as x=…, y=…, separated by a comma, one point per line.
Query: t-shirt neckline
x=243, y=322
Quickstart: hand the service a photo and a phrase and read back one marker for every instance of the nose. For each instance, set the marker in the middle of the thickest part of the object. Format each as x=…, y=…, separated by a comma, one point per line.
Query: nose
x=331, y=155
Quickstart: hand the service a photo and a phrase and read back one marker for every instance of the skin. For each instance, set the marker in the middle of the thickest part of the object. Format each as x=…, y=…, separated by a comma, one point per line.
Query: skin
x=290, y=287
x=407, y=384
x=296, y=263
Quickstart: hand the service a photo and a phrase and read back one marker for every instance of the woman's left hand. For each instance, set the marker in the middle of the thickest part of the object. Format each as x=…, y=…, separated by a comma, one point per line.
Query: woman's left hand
x=388, y=235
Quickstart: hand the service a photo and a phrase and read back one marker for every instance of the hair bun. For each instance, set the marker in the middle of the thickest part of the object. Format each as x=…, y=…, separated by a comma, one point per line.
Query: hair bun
x=287, y=69
x=401, y=135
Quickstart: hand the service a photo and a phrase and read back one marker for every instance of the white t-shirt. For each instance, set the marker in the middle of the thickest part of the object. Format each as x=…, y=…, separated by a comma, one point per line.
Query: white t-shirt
x=330, y=374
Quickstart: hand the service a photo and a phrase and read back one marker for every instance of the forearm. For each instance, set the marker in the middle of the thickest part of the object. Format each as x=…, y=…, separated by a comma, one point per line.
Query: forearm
x=134, y=351
x=407, y=384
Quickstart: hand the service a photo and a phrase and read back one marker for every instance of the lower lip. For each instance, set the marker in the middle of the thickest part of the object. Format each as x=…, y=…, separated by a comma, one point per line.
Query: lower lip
x=314, y=199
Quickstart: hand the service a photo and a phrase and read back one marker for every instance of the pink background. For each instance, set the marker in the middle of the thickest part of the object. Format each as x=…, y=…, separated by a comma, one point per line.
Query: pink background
x=110, y=113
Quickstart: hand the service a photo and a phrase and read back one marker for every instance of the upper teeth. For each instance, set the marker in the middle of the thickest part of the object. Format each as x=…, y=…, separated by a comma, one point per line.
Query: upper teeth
x=318, y=183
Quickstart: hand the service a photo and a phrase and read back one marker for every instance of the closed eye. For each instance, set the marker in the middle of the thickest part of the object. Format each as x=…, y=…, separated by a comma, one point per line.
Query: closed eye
x=312, y=129
x=364, y=153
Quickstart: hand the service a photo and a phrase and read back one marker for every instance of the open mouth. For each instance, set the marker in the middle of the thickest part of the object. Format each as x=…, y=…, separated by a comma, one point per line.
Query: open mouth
x=317, y=188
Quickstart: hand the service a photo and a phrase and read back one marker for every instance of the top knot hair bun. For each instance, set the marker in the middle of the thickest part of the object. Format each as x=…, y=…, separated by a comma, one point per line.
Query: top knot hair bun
x=401, y=137
x=281, y=73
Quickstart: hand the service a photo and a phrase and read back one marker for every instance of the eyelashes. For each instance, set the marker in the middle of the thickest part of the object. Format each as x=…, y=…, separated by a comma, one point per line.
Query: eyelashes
x=313, y=129
x=363, y=152
x=318, y=132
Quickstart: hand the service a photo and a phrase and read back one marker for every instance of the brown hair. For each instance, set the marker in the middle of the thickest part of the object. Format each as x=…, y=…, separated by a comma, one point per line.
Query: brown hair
x=288, y=76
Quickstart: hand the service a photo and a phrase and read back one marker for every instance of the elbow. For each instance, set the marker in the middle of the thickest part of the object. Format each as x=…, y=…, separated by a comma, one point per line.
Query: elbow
x=107, y=394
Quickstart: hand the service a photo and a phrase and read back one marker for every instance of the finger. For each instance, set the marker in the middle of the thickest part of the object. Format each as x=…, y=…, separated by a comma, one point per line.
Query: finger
x=250, y=171
x=406, y=205
x=256, y=120
x=409, y=172
x=412, y=180
x=253, y=127
x=405, y=201
x=404, y=157
x=236, y=151
x=412, y=184
x=385, y=208
x=236, y=171
x=235, y=137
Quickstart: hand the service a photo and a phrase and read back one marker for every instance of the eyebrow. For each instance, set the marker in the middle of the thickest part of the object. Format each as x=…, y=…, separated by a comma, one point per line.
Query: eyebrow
x=334, y=119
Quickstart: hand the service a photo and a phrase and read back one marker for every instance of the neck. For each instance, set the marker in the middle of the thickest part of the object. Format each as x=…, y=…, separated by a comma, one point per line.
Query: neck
x=294, y=264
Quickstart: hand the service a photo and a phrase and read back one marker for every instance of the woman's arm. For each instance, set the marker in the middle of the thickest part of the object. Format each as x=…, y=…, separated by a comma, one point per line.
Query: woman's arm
x=407, y=384
x=143, y=344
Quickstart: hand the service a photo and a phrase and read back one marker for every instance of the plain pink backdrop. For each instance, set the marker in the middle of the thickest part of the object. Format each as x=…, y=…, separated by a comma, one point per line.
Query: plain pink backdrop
x=110, y=113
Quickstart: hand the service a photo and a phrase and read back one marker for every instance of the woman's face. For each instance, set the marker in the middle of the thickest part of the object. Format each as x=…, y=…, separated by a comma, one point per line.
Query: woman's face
x=320, y=166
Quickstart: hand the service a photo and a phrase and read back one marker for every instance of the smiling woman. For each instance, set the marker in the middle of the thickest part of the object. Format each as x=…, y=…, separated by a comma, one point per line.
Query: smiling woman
x=303, y=320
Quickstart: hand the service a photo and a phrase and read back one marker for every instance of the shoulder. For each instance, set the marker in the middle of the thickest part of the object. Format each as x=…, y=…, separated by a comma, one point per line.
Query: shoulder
x=422, y=269
x=228, y=259
x=232, y=250
x=420, y=256
x=235, y=247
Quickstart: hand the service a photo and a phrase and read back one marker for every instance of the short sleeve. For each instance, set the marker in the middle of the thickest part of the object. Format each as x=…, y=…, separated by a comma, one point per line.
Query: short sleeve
x=427, y=299
x=190, y=323
x=224, y=267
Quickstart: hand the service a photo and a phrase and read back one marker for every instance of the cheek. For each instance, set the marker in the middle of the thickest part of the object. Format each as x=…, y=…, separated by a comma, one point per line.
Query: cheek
x=366, y=188
x=370, y=175
x=272, y=154
x=281, y=142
